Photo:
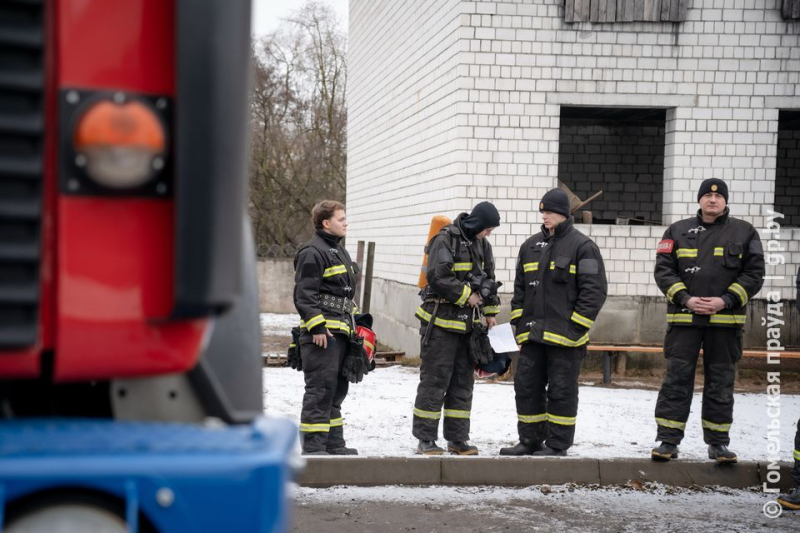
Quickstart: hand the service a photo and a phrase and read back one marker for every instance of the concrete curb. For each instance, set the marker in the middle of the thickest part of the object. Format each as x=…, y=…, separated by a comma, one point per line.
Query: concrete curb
x=527, y=471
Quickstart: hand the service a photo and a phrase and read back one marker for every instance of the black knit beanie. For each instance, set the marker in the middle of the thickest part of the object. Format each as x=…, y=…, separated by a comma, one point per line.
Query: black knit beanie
x=713, y=185
x=555, y=201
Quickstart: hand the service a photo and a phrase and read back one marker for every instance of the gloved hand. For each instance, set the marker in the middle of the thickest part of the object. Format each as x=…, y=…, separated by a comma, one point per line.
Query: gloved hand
x=355, y=362
x=480, y=348
x=293, y=357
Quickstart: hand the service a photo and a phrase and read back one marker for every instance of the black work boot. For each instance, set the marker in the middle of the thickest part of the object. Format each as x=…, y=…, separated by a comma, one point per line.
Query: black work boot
x=665, y=452
x=791, y=500
x=429, y=447
x=317, y=452
x=344, y=450
x=721, y=454
x=523, y=447
x=462, y=448
x=547, y=451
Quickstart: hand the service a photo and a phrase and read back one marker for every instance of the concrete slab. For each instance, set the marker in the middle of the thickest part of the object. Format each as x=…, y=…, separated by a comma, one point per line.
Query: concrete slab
x=370, y=471
x=527, y=471
x=518, y=471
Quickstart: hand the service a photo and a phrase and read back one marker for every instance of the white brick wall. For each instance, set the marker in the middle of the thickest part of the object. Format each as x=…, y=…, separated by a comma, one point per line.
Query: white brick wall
x=454, y=102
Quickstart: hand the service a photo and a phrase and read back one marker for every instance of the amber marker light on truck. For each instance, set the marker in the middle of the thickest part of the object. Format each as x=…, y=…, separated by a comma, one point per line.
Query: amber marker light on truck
x=120, y=144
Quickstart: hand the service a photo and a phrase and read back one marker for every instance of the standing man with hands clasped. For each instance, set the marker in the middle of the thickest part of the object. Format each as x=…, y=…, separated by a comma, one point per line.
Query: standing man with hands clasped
x=709, y=267
x=460, y=264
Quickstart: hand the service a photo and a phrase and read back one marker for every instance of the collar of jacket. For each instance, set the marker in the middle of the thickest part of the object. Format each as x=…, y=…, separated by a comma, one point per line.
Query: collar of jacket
x=457, y=226
x=722, y=219
x=561, y=230
x=333, y=240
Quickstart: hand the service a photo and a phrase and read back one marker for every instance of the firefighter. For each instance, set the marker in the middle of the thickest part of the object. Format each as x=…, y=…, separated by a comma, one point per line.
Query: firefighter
x=325, y=280
x=791, y=500
x=559, y=288
x=460, y=266
x=709, y=267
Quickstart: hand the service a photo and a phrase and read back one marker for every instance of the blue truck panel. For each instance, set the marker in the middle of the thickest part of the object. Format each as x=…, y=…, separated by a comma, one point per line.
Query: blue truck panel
x=182, y=477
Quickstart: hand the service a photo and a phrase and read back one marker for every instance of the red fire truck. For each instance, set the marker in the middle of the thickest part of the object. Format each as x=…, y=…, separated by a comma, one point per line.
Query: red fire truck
x=130, y=373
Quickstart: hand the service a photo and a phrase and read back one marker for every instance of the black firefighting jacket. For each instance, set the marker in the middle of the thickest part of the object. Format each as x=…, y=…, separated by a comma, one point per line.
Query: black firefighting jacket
x=452, y=259
x=722, y=259
x=559, y=288
x=325, y=282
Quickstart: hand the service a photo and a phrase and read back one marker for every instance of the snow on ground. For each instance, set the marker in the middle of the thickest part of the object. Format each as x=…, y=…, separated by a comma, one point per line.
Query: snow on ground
x=564, y=508
x=611, y=422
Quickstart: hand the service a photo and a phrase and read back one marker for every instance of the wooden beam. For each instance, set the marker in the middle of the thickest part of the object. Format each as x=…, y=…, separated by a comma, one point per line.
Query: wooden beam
x=368, y=275
x=569, y=11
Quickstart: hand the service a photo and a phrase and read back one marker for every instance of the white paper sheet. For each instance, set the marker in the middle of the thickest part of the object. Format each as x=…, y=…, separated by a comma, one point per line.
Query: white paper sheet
x=502, y=339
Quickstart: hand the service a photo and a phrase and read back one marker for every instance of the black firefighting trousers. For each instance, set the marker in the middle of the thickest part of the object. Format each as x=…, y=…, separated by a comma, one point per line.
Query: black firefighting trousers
x=321, y=424
x=546, y=392
x=796, y=469
x=446, y=378
x=722, y=349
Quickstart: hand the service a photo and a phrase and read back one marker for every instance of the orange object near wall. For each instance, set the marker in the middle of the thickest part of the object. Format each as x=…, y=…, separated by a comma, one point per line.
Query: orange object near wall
x=437, y=223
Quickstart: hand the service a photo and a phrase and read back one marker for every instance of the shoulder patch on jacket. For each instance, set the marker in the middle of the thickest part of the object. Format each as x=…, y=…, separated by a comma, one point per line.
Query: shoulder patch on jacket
x=588, y=266
x=665, y=246
x=755, y=248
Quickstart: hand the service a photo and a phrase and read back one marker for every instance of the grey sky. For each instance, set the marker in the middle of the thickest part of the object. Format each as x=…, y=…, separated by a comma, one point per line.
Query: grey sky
x=267, y=13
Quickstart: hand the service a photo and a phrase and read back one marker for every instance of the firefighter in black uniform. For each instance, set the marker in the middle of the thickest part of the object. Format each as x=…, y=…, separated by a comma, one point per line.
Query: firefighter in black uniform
x=459, y=260
x=709, y=267
x=559, y=288
x=791, y=500
x=325, y=280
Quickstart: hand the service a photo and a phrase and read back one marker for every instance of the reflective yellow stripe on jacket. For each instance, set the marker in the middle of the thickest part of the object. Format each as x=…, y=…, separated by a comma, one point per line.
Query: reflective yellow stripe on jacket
x=564, y=341
x=572, y=268
x=516, y=313
x=313, y=322
x=728, y=319
x=456, y=325
x=462, y=267
x=679, y=318
x=465, y=293
x=675, y=288
x=582, y=320
x=739, y=291
x=530, y=267
x=686, y=252
x=334, y=270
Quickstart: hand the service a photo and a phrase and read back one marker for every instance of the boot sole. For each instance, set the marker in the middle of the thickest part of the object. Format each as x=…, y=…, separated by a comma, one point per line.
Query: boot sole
x=725, y=460
x=789, y=505
x=432, y=452
x=663, y=456
x=468, y=452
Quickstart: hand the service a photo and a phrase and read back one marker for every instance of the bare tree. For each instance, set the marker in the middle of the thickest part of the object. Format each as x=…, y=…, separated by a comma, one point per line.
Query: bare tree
x=299, y=124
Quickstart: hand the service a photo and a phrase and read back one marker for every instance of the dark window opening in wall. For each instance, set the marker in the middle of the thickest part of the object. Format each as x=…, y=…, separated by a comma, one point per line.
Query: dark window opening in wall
x=619, y=151
x=787, y=168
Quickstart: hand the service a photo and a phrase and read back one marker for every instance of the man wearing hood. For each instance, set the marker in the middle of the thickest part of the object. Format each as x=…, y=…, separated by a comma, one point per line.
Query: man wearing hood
x=559, y=288
x=459, y=260
x=325, y=281
x=708, y=266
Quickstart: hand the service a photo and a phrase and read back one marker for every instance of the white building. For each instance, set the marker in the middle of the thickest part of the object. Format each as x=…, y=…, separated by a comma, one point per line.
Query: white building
x=453, y=102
